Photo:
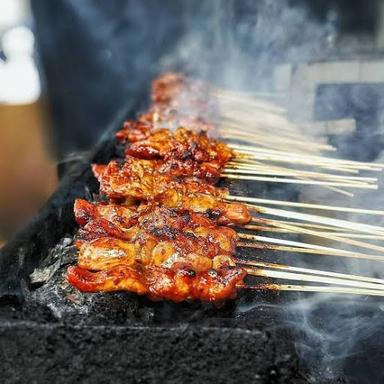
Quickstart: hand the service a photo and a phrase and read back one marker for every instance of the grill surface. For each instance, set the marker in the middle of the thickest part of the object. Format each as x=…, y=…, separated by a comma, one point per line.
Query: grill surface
x=51, y=333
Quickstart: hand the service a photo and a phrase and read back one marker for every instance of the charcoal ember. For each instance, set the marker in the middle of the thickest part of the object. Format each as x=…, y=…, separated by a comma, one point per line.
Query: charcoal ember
x=61, y=254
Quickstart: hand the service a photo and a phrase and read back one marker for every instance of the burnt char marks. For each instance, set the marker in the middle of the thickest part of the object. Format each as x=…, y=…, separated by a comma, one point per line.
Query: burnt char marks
x=164, y=232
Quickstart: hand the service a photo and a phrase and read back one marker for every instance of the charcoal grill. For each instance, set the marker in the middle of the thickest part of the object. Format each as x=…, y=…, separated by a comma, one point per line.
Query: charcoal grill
x=120, y=337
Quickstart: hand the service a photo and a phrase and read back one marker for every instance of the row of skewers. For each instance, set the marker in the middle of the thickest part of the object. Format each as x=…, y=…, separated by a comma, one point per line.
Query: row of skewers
x=162, y=227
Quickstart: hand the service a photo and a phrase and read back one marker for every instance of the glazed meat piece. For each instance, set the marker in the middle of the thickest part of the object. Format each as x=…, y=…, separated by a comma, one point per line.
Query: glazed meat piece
x=162, y=222
x=161, y=237
x=119, y=278
x=222, y=212
x=106, y=252
x=144, y=179
x=133, y=131
x=198, y=251
x=177, y=102
x=166, y=117
x=183, y=153
x=183, y=284
x=131, y=183
x=183, y=144
x=189, y=97
x=117, y=214
x=167, y=86
x=161, y=283
x=133, y=179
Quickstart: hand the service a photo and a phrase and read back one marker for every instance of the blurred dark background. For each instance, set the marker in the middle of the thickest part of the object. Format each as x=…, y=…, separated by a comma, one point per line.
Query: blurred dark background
x=94, y=56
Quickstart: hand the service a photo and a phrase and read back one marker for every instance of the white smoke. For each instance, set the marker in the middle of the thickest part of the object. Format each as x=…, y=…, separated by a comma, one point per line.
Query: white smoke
x=241, y=53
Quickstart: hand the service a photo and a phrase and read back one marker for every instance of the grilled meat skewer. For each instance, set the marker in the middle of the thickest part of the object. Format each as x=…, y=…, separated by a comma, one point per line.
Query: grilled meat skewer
x=162, y=283
x=137, y=180
x=160, y=235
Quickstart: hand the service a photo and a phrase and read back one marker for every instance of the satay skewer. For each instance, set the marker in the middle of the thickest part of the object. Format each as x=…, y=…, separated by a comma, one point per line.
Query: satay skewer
x=185, y=142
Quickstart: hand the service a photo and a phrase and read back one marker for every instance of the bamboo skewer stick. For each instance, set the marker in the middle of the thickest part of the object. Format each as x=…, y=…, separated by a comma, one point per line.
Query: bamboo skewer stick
x=311, y=278
x=259, y=135
x=296, y=181
x=268, y=229
x=304, y=205
x=249, y=163
x=246, y=160
x=239, y=130
x=247, y=122
x=263, y=143
x=341, y=234
x=311, y=271
x=259, y=127
x=281, y=141
x=255, y=164
x=308, y=225
x=261, y=171
x=326, y=228
x=241, y=112
x=344, y=240
x=315, y=288
x=234, y=97
x=250, y=151
x=239, y=100
x=245, y=156
x=267, y=121
x=366, y=228
x=299, y=175
x=355, y=236
x=231, y=125
x=305, y=245
x=288, y=242
x=312, y=157
x=310, y=251
x=257, y=169
x=269, y=168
